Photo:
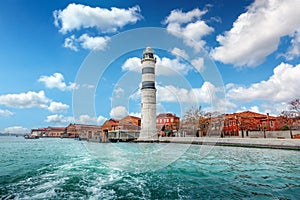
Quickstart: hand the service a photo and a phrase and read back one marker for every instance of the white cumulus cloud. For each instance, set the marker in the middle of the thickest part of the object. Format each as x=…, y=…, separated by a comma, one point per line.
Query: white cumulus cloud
x=180, y=52
x=164, y=66
x=57, y=107
x=188, y=26
x=59, y=119
x=205, y=94
x=198, y=63
x=25, y=100
x=86, y=42
x=93, y=43
x=118, y=112
x=6, y=113
x=132, y=64
x=62, y=120
x=78, y=16
x=101, y=120
x=57, y=81
x=71, y=43
x=87, y=119
x=257, y=32
x=283, y=85
x=16, y=129
x=294, y=49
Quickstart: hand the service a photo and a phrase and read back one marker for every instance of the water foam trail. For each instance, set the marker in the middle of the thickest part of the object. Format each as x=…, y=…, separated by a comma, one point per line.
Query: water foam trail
x=226, y=172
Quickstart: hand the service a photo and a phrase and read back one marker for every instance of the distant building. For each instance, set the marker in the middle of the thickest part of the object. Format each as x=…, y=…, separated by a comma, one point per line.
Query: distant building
x=211, y=126
x=130, y=123
x=239, y=124
x=55, y=131
x=111, y=124
x=83, y=131
x=168, y=123
x=38, y=132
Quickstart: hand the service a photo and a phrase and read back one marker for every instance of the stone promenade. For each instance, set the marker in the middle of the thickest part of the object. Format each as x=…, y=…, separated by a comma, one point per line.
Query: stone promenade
x=290, y=144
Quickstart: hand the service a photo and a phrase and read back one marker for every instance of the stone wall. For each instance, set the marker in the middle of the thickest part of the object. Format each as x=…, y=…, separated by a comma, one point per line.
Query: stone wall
x=270, y=134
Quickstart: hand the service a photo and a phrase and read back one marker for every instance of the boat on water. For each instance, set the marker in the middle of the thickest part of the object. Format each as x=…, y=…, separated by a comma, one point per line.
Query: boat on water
x=31, y=137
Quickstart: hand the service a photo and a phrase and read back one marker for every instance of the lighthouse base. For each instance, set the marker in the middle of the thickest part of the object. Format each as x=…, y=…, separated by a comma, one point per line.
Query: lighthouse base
x=147, y=140
x=147, y=137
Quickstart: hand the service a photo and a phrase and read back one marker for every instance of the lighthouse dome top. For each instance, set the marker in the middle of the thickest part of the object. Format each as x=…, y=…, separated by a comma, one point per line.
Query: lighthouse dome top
x=148, y=54
x=148, y=50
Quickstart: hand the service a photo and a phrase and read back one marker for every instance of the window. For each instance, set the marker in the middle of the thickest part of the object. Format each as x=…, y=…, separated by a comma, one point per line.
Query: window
x=271, y=123
x=172, y=119
x=167, y=120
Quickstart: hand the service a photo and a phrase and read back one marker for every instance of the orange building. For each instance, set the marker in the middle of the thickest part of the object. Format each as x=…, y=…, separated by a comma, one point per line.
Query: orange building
x=49, y=131
x=237, y=123
x=130, y=123
x=55, y=131
x=83, y=131
x=111, y=124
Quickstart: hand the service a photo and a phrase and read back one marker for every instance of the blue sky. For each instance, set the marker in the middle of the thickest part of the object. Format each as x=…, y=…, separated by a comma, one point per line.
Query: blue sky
x=78, y=61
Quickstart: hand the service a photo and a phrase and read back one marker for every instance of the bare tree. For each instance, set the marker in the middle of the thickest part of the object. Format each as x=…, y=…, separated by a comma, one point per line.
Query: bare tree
x=295, y=105
x=288, y=117
x=216, y=123
x=291, y=115
x=191, y=119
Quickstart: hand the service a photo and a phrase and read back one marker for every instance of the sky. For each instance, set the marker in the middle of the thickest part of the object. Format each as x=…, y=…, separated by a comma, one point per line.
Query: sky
x=79, y=61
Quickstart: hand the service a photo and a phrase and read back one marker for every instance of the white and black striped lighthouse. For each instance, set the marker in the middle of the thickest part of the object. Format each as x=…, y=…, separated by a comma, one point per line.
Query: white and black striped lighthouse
x=148, y=98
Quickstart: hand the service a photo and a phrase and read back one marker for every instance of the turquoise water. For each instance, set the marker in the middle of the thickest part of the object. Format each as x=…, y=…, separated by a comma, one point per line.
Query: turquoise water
x=70, y=169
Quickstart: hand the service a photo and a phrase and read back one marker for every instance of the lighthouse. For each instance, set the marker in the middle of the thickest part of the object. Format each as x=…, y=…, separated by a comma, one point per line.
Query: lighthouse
x=148, y=97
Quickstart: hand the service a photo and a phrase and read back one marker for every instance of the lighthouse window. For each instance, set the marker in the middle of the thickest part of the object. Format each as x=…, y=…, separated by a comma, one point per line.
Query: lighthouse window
x=148, y=55
x=148, y=70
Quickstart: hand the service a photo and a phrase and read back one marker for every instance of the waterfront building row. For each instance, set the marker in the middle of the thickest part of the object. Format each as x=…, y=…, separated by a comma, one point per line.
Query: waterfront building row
x=168, y=124
x=242, y=123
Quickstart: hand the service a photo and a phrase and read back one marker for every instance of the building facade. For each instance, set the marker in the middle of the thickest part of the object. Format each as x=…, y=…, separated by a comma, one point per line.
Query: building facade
x=83, y=131
x=130, y=123
x=111, y=124
x=55, y=131
x=239, y=124
x=167, y=124
x=39, y=132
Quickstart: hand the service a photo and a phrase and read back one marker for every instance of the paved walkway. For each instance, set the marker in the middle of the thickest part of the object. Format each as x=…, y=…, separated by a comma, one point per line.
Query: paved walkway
x=291, y=144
